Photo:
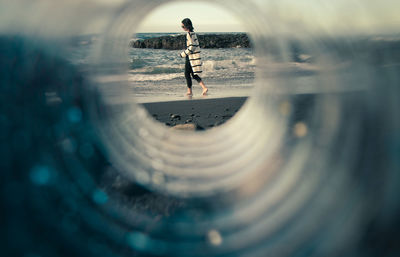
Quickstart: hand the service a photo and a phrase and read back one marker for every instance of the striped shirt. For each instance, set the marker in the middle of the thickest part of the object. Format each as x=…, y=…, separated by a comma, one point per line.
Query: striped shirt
x=193, y=51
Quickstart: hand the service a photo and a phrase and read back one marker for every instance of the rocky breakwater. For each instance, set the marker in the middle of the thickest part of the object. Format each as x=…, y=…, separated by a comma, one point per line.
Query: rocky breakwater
x=237, y=40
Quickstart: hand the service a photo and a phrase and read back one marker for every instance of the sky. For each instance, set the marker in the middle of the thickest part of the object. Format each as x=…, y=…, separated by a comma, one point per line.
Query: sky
x=339, y=16
x=207, y=18
x=49, y=17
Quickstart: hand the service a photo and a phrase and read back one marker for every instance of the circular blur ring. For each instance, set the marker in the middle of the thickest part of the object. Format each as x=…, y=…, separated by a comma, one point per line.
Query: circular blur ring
x=169, y=161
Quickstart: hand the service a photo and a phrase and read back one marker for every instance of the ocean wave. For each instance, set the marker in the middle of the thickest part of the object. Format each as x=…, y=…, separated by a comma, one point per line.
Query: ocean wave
x=148, y=65
x=137, y=63
x=233, y=65
x=208, y=66
x=162, y=70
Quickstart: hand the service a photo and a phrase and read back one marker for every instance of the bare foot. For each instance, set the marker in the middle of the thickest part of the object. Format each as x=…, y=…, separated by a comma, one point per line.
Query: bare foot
x=205, y=91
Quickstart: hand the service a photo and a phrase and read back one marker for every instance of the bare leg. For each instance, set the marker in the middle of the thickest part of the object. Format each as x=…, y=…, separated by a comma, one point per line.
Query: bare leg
x=205, y=89
x=189, y=92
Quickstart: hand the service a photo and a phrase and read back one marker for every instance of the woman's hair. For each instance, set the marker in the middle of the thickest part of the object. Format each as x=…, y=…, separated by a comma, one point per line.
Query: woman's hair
x=188, y=24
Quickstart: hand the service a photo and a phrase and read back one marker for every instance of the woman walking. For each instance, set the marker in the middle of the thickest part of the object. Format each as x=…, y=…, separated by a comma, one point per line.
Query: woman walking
x=193, y=65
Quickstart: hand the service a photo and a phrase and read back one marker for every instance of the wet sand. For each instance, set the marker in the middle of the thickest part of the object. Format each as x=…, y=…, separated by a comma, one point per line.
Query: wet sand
x=202, y=113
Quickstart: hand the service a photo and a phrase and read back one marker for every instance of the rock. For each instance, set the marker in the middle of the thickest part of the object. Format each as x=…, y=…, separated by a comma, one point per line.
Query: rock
x=189, y=127
x=175, y=117
x=234, y=40
x=198, y=127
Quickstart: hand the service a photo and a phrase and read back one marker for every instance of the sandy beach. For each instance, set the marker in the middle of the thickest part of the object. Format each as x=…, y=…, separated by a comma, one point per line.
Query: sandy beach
x=199, y=113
